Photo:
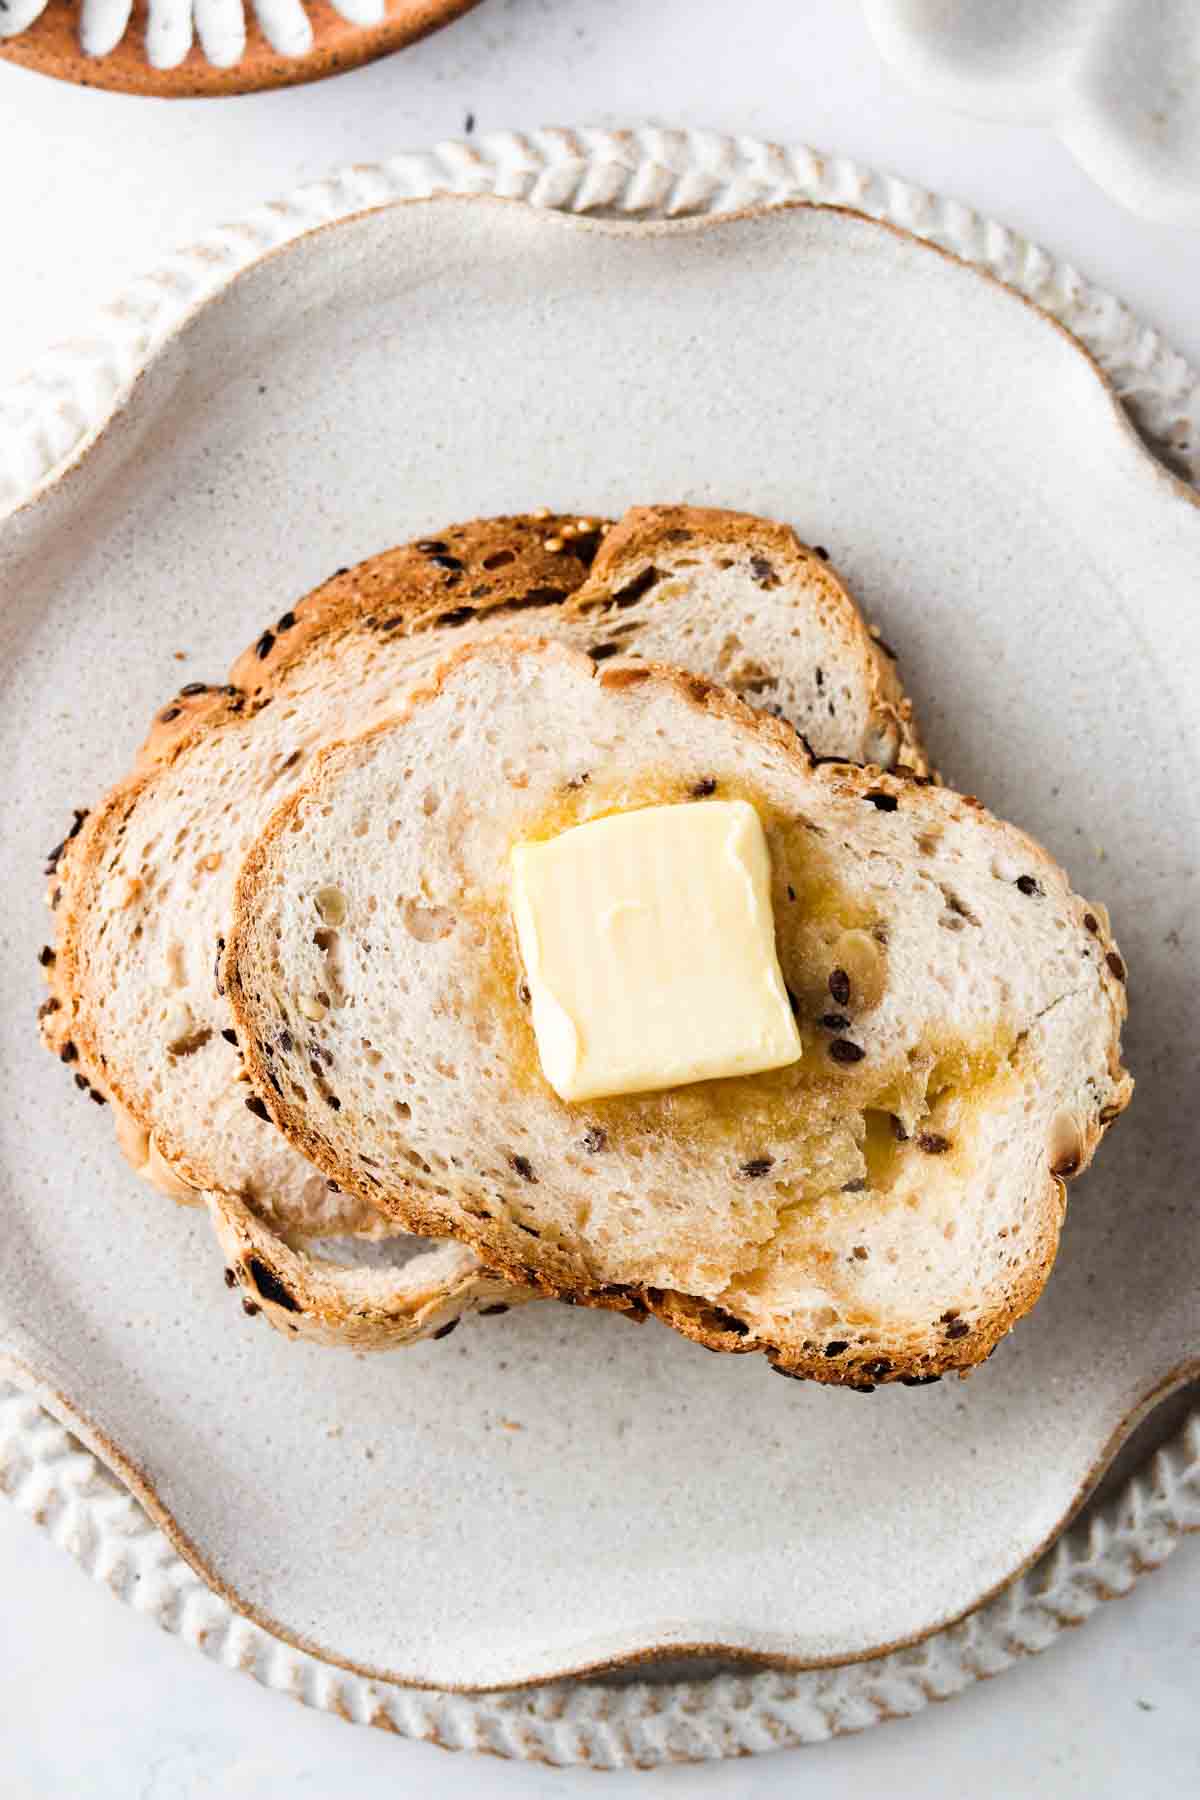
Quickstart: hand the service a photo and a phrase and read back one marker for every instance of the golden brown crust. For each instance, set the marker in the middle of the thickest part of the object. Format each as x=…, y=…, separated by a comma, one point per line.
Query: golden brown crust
x=645, y=532
x=543, y=1265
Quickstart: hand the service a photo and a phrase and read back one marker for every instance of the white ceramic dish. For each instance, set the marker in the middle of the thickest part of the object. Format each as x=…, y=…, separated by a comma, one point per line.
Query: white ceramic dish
x=974, y=476
x=1119, y=82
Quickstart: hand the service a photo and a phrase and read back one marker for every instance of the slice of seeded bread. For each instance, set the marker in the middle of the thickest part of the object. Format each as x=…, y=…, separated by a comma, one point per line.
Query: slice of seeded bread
x=142, y=890
x=883, y=1209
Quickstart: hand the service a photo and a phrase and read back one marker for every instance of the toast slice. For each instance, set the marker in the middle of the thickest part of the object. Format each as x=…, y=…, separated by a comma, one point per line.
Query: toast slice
x=142, y=891
x=883, y=1209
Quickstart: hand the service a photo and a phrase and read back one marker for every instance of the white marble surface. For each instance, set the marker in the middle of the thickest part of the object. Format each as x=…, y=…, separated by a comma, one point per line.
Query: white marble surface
x=95, y=187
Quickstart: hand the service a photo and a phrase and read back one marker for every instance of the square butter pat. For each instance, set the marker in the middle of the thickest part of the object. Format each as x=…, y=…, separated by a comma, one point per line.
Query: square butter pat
x=649, y=946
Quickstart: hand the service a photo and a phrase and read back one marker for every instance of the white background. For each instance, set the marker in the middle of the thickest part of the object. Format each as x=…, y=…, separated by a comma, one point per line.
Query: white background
x=94, y=1701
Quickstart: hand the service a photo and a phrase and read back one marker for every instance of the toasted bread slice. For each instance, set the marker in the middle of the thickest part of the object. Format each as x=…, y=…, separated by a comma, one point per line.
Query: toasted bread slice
x=142, y=892
x=883, y=1209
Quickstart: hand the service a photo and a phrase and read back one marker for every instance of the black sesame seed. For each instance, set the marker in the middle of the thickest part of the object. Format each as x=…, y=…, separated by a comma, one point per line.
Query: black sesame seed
x=843, y=1051
x=882, y=802
x=633, y=590
x=857, y=1186
x=49, y=1006
x=265, y=645
x=1027, y=885
x=523, y=994
x=458, y=615
x=172, y=712
x=918, y=1380
x=53, y=856
x=1116, y=966
x=230, y=1278
x=251, y=1308
x=446, y=562
x=524, y=1168
x=763, y=573
x=602, y=652
x=595, y=1140
x=959, y=1329
x=837, y=1348
x=97, y=1097
x=445, y=1330
x=192, y=689
x=78, y=816
x=285, y=621
x=255, y=1105
x=46, y=956
x=821, y=551
x=1091, y=923
x=269, y=1285
x=81, y=1081
x=229, y=1036
x=431, y=546
x=880, y=1367
x=839, y=987
x=491, y=1312
x=757, y=1167
x=68, y=1053
x=700, y=790
x=933, y=1143
x=834, y=1021
x=333, y=1101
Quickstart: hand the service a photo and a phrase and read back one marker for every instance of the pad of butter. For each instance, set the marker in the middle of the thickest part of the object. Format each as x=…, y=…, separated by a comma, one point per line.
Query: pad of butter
x=649, y=947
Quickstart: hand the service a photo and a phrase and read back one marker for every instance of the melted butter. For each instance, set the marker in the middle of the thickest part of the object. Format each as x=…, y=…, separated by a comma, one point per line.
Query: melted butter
x=735, y=1116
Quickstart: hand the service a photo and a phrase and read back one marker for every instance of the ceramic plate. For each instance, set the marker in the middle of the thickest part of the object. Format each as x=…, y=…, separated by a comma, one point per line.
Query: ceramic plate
x=974, y=476
x=179, y=48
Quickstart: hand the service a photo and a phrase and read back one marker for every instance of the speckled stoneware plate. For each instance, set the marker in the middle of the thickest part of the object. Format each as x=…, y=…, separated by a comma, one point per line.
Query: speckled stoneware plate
x=553, y=1491
x=182, y=48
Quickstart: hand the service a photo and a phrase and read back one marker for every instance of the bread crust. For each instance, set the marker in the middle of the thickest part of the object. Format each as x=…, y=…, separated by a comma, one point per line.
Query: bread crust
x=645, y=532
x=538, y=1265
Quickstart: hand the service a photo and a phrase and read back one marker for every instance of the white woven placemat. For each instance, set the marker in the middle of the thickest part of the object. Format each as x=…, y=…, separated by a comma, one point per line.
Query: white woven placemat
x=46, y=421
